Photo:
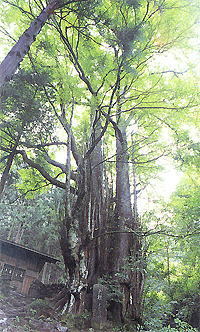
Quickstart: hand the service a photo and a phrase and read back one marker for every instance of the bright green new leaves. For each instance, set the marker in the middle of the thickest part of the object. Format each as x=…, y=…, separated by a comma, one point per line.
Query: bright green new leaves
x=106, y=65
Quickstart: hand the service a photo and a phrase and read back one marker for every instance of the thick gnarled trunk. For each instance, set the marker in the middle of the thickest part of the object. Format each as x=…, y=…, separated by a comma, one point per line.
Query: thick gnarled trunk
x=95, y=263
x=124, y=243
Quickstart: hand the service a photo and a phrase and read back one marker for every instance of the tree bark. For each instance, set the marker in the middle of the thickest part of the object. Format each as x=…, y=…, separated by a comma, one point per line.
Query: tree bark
x=96, y=265
x=67, y=228
x=11, y=62
x=121, y=242
x=6, y=171
x=123, y=210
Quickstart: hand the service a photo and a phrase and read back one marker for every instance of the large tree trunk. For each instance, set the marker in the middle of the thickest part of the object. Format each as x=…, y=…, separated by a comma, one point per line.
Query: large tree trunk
x=67, y=229
x=123, y=212
x=138, y=256
x=96, y=207
x=6, y=171
x=91, y=218
x=121, y=240
x=11, y=62
x=124, y=243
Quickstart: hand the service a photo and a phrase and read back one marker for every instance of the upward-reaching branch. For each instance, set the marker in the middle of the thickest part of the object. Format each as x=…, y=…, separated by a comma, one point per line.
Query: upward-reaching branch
x=41, y=170
x=11, y=62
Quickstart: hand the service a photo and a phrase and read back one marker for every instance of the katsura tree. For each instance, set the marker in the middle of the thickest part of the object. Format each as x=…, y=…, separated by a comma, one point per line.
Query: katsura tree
x=95, y=92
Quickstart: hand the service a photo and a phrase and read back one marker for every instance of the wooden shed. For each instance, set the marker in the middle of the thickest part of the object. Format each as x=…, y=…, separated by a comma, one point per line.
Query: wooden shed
x=20, y=265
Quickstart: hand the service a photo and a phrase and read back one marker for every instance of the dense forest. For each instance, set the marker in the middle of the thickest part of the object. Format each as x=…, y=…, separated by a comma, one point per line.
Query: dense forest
x=99, y=152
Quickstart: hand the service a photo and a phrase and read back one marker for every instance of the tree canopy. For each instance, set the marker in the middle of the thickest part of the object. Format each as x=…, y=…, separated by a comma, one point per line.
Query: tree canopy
x=96, y=97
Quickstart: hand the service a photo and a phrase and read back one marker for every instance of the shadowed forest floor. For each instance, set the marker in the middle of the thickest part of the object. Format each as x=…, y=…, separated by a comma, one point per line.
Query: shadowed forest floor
x=19, y=313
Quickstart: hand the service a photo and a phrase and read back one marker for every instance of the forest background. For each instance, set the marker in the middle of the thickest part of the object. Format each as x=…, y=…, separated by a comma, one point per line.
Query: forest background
x=104, y=104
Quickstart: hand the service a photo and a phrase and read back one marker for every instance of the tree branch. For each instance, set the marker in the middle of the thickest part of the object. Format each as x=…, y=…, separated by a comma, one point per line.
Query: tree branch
x=107, y=116
x=42, y=145
x=7, y=170
x=41, y=170
x=17, y=53
x=61, y=166
x=74, y=149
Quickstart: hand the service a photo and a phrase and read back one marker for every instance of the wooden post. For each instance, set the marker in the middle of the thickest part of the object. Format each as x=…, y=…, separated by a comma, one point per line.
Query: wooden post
x=28, y=279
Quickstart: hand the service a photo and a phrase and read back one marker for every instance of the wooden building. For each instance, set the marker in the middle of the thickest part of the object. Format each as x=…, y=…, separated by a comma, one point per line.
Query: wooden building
x=20, y=266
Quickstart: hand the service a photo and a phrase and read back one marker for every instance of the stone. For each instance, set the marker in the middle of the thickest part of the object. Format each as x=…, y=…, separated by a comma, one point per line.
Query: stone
x=62, y=328
x=3, y=318
x=99, y=307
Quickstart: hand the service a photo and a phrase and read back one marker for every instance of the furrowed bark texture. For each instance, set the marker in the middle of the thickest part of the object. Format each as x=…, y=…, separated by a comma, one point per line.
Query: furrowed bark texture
x=9, y=163
x=123, y=211
x=6, y=171
x=122, y=245
x=11, y=62
x=91, y=220
x=96, y=208
x=67, y=226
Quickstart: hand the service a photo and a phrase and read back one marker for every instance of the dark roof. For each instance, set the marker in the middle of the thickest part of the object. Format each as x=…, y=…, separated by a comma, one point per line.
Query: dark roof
x=46, y=258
